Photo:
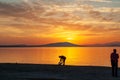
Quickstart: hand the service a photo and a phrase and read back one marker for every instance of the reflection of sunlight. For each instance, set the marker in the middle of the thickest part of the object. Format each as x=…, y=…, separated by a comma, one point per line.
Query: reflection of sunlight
x=73, y=53
x=70, y=53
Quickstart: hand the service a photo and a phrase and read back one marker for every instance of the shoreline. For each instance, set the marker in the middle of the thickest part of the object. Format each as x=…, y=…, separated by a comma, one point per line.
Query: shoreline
x=18, y=71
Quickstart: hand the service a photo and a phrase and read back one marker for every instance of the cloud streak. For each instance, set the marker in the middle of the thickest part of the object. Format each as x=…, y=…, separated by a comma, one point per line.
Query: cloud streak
x=106, y=1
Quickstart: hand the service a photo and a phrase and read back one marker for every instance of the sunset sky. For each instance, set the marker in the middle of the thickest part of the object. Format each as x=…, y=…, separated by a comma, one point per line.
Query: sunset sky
x=48, y=21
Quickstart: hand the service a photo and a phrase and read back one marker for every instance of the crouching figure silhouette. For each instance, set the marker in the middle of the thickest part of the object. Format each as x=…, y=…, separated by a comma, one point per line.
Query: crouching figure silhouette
x=62, y=60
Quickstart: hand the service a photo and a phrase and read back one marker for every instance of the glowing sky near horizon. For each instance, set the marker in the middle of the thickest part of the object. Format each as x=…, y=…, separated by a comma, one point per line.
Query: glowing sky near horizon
x=46, y=21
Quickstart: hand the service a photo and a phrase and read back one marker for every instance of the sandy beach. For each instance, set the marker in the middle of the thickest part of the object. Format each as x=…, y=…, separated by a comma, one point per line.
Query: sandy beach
x=54, y=72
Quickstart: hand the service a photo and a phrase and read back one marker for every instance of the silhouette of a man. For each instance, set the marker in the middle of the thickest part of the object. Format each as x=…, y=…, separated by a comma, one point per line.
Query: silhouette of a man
x=62, y=60
x=114, y=62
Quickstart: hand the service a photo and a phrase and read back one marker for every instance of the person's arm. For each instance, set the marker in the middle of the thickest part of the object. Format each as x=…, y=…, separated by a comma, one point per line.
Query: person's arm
x=118, y=56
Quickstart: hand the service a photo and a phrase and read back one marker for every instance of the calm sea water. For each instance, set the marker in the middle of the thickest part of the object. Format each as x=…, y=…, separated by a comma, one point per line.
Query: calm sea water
x=93, y=56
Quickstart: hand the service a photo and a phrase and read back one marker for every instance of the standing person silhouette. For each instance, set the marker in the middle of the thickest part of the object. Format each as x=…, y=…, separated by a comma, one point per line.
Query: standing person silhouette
x=62, y=60
x=114, y=62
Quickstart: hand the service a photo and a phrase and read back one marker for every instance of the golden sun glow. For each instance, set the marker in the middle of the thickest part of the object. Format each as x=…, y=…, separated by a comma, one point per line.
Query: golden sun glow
x=69, y=36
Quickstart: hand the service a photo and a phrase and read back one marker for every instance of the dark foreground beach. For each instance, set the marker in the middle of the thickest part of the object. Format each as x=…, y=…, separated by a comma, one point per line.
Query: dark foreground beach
x=54, y=72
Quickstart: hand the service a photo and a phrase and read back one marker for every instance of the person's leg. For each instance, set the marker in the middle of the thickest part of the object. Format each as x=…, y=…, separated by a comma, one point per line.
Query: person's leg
x=116, y=69
x=60, y=62
x=63, y=61
x=113, y=69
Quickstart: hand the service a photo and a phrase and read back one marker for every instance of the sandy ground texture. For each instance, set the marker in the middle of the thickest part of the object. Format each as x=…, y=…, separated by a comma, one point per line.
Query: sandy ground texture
x=54, y=72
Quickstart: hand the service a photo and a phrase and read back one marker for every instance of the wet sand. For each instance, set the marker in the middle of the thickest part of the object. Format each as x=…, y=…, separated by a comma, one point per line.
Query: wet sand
x=54, y=72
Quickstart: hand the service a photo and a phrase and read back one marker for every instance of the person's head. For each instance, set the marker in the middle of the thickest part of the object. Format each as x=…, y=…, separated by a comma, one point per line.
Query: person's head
x=114, y=50
x=60, y=56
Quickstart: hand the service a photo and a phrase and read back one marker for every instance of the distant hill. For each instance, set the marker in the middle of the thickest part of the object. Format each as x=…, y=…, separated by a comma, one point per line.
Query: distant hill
x=113, y=44
x=66, y=44
x=110, y=44
x=61, y=44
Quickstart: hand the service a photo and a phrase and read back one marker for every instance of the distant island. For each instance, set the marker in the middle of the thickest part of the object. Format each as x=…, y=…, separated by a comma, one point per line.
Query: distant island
x=58, y=44
x=61, y=44
x=66, y=44
x=110, y=44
